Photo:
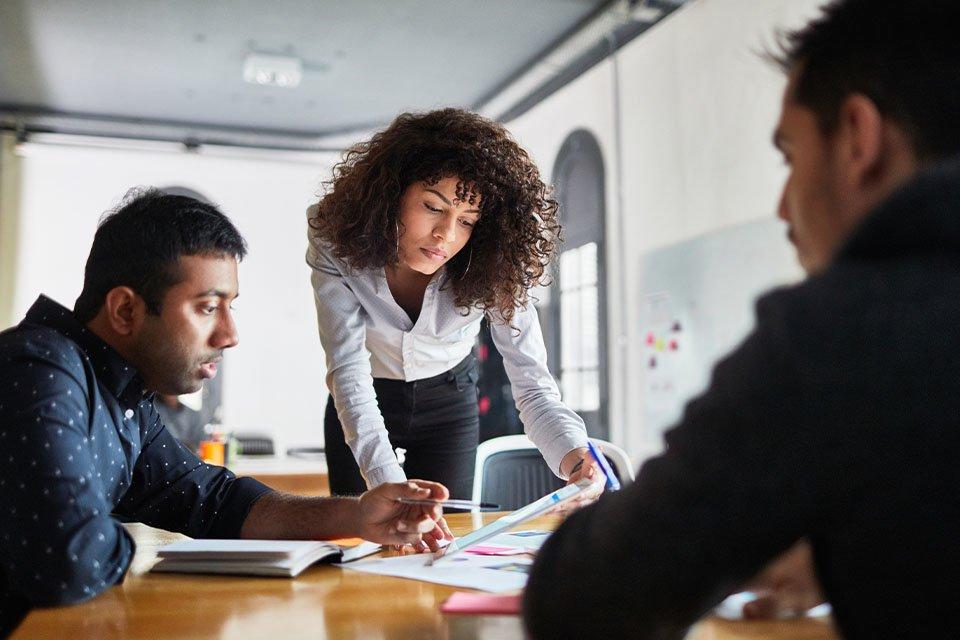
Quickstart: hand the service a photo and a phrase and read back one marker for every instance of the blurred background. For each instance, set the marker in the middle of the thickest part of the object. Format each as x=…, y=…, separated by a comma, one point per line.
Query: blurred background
x=651, y=117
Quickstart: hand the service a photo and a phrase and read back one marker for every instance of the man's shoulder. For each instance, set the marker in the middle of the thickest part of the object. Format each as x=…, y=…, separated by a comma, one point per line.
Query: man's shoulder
x=27, y=344
x=834, y=322
x=39, y=362
x=836, y=296
x=850, y=288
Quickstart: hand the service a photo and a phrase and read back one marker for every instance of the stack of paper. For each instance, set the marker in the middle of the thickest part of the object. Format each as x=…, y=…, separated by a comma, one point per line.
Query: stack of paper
x=285, y=558
x=502, y=565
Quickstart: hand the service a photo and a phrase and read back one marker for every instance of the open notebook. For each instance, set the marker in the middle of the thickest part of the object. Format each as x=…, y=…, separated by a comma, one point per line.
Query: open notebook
x=283, y=558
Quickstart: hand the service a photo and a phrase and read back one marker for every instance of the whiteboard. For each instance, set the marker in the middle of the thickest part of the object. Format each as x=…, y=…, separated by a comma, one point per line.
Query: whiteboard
x=696, y=304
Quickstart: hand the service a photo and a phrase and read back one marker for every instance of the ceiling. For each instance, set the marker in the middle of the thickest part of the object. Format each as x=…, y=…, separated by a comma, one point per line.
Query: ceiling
x=173, y=70
x=181, y=61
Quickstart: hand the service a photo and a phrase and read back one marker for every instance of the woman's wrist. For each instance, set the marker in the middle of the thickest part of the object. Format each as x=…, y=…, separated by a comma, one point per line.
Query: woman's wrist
x=573, y=461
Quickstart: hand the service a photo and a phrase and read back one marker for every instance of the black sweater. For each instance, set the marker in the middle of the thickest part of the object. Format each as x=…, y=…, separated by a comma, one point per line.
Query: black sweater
x=837, y=419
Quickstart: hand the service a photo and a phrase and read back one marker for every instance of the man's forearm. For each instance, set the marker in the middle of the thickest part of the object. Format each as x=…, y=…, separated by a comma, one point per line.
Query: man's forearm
x=280, y=515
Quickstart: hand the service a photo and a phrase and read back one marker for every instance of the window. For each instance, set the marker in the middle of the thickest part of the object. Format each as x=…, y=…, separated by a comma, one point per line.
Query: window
x=580, y=327
x=575, y=323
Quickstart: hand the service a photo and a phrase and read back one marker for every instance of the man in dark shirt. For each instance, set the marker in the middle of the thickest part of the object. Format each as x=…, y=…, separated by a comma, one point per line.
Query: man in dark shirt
x=837, y=421
x=81, y=438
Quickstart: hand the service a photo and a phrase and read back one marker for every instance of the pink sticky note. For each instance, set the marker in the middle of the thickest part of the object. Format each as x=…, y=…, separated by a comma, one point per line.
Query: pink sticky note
x=494, y=550
x=482, y=603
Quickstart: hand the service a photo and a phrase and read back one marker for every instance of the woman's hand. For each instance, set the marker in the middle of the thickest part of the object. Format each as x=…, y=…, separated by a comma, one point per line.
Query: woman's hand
x=579, y=465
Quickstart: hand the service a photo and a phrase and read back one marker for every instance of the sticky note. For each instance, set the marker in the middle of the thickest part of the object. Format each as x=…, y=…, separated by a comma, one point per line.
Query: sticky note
x=494, y=550
x=482, y=603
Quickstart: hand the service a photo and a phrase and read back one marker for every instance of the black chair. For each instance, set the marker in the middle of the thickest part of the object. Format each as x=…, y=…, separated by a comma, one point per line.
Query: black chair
x=512, y=473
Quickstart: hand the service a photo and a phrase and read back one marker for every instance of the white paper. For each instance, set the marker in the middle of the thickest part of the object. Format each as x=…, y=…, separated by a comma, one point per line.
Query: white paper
x=487, y=573
x=529, y=539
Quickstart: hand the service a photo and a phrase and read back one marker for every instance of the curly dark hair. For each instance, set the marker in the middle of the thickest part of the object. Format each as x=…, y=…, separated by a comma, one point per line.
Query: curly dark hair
x=517, y=232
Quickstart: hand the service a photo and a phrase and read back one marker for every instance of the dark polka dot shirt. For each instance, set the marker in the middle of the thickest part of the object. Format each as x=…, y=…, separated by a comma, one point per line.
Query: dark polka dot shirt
x=80, y=442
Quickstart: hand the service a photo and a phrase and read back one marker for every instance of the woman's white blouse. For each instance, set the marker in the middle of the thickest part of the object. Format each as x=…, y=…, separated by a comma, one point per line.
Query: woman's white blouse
x=365, y=334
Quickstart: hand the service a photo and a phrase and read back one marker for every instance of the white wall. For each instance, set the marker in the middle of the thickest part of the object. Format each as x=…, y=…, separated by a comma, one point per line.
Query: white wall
x=697, y=107
x=274, y=380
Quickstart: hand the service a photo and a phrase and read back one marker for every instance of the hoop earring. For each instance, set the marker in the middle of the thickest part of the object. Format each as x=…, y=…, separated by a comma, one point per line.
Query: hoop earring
x=397, y=223
x=469, y=260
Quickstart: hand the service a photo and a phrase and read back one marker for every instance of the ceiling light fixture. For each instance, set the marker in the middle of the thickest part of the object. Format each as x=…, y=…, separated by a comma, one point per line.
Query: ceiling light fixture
x=272, y=70
x=646, y=13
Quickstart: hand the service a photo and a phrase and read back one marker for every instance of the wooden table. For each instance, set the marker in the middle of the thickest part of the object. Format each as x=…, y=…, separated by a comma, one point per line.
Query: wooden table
x=323, y=602
x=302, y=476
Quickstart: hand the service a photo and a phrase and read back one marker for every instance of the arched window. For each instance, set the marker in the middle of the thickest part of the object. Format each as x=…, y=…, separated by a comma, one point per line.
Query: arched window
x=577, y=334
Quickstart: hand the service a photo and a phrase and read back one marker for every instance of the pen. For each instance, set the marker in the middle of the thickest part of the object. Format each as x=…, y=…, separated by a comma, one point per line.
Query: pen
x=455, y=504
x=612, y=483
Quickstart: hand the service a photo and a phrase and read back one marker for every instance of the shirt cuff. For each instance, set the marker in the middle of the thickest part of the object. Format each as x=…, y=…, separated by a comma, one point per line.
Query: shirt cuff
x=559, y=448
x=386, y=473
x=233, y=512
x=129, y=560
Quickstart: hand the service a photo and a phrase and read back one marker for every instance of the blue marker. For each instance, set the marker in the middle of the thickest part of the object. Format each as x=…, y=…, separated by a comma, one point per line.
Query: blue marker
x=612, y=483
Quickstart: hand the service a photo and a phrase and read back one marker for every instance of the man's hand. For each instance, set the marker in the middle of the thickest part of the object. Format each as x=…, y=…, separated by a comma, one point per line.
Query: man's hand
x=385, y=520
x=431, y=540
x=786, y=587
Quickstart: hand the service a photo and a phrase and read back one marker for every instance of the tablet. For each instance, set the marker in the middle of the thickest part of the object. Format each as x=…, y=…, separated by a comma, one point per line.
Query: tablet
x=532, y=510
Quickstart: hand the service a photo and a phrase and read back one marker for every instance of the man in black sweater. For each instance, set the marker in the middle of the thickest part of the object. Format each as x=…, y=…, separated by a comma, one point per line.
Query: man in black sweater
x=837, y=422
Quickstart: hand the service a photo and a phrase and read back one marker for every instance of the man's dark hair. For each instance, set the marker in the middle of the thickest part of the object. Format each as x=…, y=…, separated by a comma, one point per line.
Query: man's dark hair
x=904, y=56
x=139, y=244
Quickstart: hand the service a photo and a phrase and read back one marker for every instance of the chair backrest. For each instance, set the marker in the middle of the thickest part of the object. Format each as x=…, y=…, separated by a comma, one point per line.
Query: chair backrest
x=618, y=459
x=511, y=472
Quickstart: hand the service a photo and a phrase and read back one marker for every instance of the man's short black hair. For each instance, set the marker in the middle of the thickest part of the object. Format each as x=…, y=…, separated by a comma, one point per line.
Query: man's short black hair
x=139, y=244
x=904, y=56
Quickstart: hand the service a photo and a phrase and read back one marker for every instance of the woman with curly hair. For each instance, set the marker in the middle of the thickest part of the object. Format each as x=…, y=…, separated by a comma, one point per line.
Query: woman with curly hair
x=431, y=224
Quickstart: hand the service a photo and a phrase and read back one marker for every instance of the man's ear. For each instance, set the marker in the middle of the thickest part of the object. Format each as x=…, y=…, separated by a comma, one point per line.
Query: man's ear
x=860, y=142
x=124, y=310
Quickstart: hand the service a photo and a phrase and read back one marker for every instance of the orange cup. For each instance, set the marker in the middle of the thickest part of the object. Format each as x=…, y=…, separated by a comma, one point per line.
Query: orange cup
x=211, y=452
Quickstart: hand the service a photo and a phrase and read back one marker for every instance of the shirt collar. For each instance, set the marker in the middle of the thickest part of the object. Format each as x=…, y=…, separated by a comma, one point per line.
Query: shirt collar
x=112, y=369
